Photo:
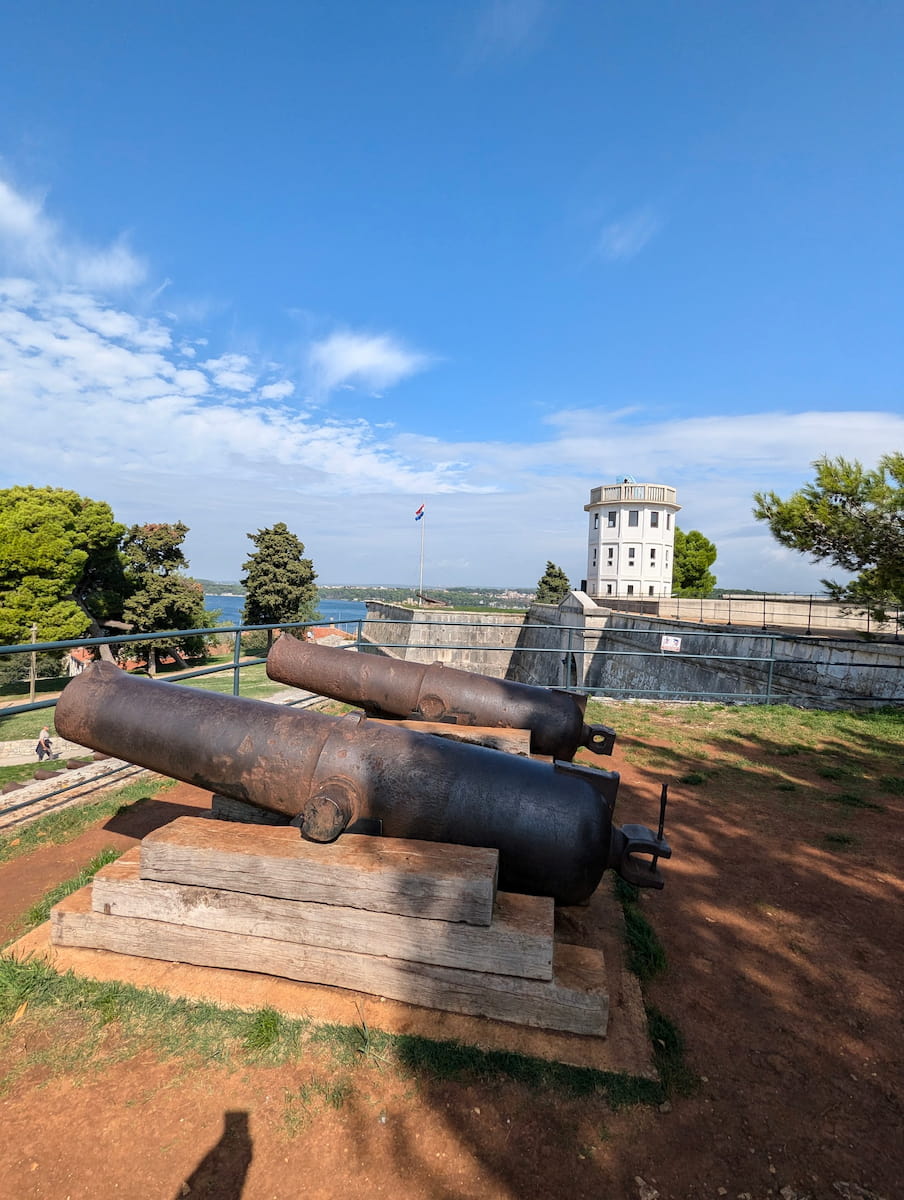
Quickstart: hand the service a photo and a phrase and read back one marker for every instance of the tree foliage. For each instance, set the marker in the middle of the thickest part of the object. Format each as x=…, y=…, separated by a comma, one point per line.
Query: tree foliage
x=160, y=595
x=553, y=586
x=694, y=554
x=59, y=565
x=852, y=517
x=279, y=580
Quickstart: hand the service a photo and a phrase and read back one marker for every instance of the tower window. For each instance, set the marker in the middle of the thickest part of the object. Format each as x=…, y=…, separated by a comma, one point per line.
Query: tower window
x=611, y=557
x=596, y=520
x=630, y=556
x=654, y=520
x=652, y=555
x=612, y=519
x=630, y=589
x=651, y=590
x=668, y=520
x=633, y=516
x=608, y=589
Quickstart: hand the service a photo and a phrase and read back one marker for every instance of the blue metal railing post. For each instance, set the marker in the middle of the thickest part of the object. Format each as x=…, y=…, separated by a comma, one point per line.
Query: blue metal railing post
x=236, y=667
x=771, y=671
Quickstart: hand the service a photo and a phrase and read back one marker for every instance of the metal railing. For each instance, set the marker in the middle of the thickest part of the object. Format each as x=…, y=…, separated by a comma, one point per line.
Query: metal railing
x=799, y=611
x=581, y=657
x=238, y=664
x=581, y=652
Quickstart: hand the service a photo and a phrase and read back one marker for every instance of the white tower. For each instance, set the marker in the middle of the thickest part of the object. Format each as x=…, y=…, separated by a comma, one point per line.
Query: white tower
x=631, y=540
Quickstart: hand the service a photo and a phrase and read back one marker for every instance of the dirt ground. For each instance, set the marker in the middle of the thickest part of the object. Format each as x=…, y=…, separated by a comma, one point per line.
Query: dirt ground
x=785, y=977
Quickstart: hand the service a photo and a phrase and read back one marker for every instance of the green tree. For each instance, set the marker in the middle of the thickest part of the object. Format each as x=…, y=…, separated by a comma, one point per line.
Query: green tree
x=161, y=596
x=553, y=587
x=852, y=517
x=279, y=580
x=59, y=564
x=694, y=555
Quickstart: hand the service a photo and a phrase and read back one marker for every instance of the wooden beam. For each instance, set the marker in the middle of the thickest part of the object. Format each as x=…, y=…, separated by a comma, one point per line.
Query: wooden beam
x=574, y=1000
x=394, y=875
x=512, y=741
x=225, y=808
x=518, y=942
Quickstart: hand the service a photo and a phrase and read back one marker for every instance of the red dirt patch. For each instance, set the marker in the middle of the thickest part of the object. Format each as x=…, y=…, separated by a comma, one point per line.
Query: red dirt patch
x=785, y=976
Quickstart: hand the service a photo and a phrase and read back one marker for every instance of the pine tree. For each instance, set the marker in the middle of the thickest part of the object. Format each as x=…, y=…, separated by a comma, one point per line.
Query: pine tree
x=854, y=518
x=694, y=555
x=553, y=587
x=161, y=596
x=279, y=580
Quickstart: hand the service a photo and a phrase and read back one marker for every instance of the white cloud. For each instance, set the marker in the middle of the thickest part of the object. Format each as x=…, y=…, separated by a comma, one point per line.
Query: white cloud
x=118, y=405
x=277, y=391
x=506, y=27
x=371, y=361
x=625, y=238
x=159, y=439
x=113, y=381
x=31, y=242
x=231, y=371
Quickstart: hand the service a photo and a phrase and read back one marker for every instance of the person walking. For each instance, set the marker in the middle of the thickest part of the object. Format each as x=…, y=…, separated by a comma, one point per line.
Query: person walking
x=44, y=749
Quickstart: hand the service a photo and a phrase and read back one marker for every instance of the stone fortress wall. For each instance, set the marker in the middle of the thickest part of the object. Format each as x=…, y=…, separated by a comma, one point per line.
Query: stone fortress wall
x=581, y=645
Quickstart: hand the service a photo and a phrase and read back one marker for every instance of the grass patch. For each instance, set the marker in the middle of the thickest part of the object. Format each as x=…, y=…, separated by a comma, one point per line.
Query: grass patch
x=646, y=957
x=253, y=683
x=839, y=841
x=832, y=773
x=852, y=800
x=893, y=784
x=646, y=954
x=786, y=786
x=212, y=1035
x=301, y=1105
x=694, y=778
x=63, y=826
x=669, y=1053
x=26, y=725
x=25, y=772
x=271, y=1036
x=40, y=912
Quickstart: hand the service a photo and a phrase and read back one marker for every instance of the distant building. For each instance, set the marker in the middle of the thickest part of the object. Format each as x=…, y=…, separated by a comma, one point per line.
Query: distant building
x=631, y=540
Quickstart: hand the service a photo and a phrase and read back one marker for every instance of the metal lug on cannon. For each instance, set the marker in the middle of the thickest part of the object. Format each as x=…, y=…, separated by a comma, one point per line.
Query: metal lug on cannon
x=638, y=839
x=599, y=738
x=629, y=840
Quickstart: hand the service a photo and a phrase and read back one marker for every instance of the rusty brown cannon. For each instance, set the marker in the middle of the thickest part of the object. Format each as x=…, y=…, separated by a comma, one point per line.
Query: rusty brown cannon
x=551, y=822
x=395, y=688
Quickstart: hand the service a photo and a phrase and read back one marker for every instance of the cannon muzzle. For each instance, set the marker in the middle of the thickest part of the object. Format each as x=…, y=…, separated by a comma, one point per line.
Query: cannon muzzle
x=551, y=822
x=392, y=687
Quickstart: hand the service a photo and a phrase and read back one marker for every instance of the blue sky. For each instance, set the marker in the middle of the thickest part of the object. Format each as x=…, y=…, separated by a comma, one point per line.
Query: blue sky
x=323, y=262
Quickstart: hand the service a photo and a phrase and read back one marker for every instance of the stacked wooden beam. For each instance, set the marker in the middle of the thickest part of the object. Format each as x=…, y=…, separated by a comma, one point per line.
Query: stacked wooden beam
x=413, y=921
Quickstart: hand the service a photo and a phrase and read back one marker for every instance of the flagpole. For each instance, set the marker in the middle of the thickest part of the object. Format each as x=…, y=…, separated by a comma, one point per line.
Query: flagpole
x=420, y=580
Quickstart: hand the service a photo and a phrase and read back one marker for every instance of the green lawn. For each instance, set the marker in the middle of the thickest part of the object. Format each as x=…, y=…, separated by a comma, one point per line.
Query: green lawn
x=254, y=684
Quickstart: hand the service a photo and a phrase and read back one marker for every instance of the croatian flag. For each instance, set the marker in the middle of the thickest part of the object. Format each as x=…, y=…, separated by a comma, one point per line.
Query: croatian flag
x=419, y=513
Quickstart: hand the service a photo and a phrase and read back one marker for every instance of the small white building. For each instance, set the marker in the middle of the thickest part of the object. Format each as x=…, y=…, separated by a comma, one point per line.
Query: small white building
x=631, y=540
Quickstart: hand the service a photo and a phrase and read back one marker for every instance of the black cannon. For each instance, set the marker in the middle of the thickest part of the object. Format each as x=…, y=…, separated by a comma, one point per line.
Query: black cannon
x=552, y=823
x=395, y=688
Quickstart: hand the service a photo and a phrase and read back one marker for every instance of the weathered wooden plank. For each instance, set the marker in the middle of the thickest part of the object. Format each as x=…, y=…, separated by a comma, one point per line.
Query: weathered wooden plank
x=518, y=942
x=224, y=808
x=512, y=741
x=575, y=999
x=394, y=875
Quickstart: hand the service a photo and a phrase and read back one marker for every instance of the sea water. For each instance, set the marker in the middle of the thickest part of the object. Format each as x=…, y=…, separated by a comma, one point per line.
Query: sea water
x=332, y=612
